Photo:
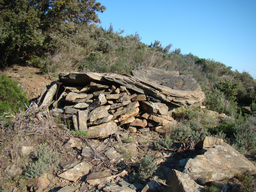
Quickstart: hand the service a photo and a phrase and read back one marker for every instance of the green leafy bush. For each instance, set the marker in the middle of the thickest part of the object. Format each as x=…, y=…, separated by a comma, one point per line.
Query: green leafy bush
x=45, y=158
x=12, y=98
x=190, y=131
x=245, y=135
x=147, y=167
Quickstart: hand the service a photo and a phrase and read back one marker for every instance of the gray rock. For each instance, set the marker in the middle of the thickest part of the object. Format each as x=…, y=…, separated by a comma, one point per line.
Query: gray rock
x=117, y=188
x=87, y=152
x=56, y=112
x=157, y=108
x=26, y=150
x=113, y=155
x=82, y=120
x=81, y=105
x=67, y=189
x=102, y=131
x=70, y=110
x=170, y=79
x=98, y=113
x=71, y=97
x=73, y=142
x=49, y=95
x=219, y=162
x=76, y=172
x=181, y=182
x=75, y=121
x=208, y=142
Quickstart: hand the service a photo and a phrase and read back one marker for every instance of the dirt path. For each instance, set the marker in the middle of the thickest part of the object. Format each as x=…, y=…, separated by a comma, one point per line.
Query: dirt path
x=30, y=78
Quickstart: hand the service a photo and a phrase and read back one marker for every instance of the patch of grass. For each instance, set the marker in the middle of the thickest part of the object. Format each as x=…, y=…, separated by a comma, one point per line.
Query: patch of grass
x=82, y=133
x=12, y=97
x=44, y=159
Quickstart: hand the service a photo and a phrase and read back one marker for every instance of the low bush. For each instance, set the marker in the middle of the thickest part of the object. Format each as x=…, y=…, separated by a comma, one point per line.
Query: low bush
x=44, y=159
x=245, y=134
x=146, y=168
x=12, y=97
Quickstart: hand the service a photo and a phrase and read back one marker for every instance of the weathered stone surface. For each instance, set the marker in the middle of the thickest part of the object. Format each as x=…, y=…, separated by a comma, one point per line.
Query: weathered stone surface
x=132, y=129
x=103, y=180
x=170, y=79
x=56, y=112
x=13, y=170
x=129, y=120
x=75, y=121
x=26, y=150
x=99, y=112
x=93, y=178
x=141, y=97
x=113, y=155
x=117, y=188
x=208, y=142
x=128, y=114
x=82, y=120
x=139, y=123
x=98, y=86
x=161, y=120
x=73, y=142
x=130, y=107
x=152, y=186
x=70, y=110
x=81, y=105
x=219, y=162
x=151, y=107
x=165, y=90
x=80, y=78
x=71, y=97
x=102, y=120
x=112, y=96
x=42, y=182
x=67, y=189
x=49, y=95
x=181, y=182
x=76, y=172
x=87, y=152
x=117, y=105
x=102, y=131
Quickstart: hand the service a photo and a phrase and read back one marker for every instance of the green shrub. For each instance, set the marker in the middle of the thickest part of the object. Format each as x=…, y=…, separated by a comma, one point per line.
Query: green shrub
x=12, y=98
x=189, y=131
x=45, y=158
x=147, y=167
x=245, y=135
x=165, y=142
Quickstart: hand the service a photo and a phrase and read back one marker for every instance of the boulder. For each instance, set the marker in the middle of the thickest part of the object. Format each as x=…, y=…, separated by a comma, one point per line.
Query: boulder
x=219, y=162
x=102, y=131
x=181, y=182
x=76, y=172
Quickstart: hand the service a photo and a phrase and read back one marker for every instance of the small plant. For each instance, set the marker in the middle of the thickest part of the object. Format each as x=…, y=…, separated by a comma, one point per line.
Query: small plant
x=12, y=98
x=82, y=133
x=248, y=180
x=212, y=189
x=146, y=168
x=44, y=159
x=165, y=142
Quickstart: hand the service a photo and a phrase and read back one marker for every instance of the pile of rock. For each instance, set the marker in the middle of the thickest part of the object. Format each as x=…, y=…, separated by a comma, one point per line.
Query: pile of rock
x=100, y=102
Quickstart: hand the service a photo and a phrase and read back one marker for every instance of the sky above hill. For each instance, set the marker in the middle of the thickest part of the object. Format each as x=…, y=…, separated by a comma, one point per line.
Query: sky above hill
x=222, y=30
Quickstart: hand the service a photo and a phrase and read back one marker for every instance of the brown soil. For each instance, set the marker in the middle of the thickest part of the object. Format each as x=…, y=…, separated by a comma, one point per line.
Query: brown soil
x=30, y=79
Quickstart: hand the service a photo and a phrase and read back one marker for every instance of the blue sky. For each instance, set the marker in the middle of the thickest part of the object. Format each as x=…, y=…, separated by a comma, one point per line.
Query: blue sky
x=222, y=30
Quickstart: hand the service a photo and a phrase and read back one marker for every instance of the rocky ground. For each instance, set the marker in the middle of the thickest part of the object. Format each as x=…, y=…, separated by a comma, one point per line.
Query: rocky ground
x=100, y=137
